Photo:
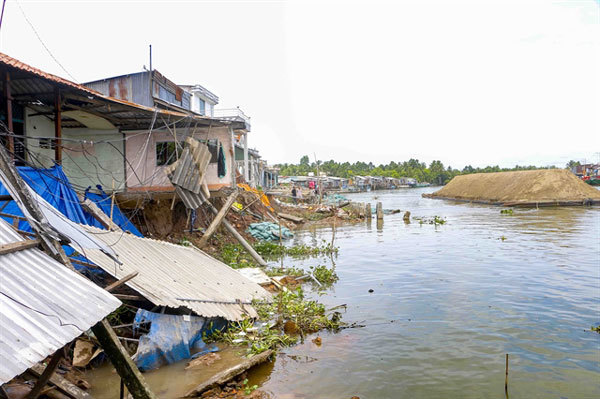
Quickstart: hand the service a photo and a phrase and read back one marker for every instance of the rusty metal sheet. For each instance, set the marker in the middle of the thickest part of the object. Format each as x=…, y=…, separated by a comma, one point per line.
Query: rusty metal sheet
x=43, y=306
x=178, y=276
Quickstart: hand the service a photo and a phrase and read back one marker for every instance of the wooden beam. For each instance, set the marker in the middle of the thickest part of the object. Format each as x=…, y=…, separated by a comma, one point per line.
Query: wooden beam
x=129, y=373
x=5, y=198
x=18, y=246
x=57, y=128
x=61, y=383
x=293, y=218
x=236, y=234
x=230, y=373
x=98, y=214
x=9, y=116
x=14, y=183
x=82, y=263
x=117, y=284
x=45, y=377
x=214, y=225
x=125, y=297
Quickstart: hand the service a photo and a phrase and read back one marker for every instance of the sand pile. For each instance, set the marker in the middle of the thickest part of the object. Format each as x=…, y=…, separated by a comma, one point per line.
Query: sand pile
x=529, y=186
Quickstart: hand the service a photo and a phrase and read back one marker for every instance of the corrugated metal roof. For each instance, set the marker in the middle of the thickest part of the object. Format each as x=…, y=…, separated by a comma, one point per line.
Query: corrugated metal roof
x=169, y=272
x=66, y=304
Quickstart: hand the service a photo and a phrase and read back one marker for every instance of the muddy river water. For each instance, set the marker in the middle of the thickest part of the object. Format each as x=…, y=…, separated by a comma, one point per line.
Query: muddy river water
x=448, y=303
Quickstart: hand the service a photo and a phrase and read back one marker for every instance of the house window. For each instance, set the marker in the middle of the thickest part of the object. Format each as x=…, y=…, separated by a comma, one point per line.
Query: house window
x=201, y=106
x=165, y=153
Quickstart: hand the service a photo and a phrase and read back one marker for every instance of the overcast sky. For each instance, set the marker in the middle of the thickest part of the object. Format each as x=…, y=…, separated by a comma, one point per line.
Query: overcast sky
x=466, y=82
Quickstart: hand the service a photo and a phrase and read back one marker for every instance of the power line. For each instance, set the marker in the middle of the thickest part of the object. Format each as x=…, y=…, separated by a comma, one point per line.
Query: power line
x=41, y=41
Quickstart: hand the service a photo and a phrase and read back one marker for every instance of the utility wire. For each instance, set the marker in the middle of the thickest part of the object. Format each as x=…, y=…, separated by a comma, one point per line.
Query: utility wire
x=41, y=41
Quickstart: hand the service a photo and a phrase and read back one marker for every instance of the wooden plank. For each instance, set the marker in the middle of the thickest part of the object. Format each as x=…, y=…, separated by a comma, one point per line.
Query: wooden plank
x=218, y=218
x=129, y=373
x=45, y=377
x=126, y=297
x=230, y=373
x=63, y=385
x=98, y=214
x=236, y=235
x=293, y=218
x=117, y=284
x=18, y=246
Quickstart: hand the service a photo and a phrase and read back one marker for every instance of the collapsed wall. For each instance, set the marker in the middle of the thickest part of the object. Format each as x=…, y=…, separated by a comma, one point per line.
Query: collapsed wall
x=529, y=187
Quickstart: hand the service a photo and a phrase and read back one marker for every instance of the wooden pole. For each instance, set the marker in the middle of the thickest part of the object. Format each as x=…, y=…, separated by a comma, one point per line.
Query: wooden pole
x=128, y=371
x=45, y=377
x=236, y=235
x=368, y=211
x=506, y=375
x=118, y=283
x=214, y=225
x=9, y=116
x=14, y=183
x=379, y=210
x=57, y=128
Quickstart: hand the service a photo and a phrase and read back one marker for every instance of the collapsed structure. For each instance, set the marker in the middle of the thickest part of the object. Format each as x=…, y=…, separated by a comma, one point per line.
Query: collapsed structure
x=544, y=187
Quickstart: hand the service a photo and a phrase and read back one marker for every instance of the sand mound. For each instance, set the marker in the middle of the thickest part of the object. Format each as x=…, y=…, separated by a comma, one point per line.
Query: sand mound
x=529, y=186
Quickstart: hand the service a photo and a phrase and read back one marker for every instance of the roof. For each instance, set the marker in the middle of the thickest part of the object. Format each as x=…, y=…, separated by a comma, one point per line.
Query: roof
x=202, y=91
x=35, y=88
x=32, y=280
x=178, y=276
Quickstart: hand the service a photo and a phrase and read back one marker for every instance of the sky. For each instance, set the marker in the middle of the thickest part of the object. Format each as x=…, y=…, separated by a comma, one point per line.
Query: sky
x=465, y=82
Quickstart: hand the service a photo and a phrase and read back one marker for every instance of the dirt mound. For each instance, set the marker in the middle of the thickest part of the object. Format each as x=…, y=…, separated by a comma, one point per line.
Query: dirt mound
x=529, y=186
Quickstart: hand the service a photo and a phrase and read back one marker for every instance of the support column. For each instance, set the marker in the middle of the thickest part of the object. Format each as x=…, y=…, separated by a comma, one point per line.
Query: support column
x=9, y=116
x=57, y=128
x=246, y=166
x=233, y=166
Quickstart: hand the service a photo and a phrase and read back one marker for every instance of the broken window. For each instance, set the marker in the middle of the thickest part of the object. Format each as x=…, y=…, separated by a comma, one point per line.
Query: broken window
x=165, y=153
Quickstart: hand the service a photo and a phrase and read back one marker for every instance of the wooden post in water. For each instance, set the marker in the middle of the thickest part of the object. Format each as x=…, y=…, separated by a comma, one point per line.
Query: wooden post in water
x=506, y=376
x=379, y=211
x=368, y=211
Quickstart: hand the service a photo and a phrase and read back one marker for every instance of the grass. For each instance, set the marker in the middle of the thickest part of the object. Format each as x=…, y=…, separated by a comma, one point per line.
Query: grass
x=237, y=257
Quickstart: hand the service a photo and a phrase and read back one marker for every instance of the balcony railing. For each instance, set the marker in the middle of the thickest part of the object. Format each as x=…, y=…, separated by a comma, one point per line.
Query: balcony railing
x=235, y=114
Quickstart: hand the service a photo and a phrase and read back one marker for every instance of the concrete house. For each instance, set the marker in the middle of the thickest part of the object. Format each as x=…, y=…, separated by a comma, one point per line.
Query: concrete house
x=147, y=155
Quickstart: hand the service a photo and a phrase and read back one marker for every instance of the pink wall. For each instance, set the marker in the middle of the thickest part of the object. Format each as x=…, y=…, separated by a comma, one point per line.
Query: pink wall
x=144, y=174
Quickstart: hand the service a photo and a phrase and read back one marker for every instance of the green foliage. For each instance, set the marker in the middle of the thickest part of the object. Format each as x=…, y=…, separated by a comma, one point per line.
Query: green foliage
x=435, y=173
x=436, y=220
x=324, y=275
x=288, y=271
x=185, y=242
x=247, y=388
x=256, y=340
x=597, y=329
x=308, y=315
x=507, y=212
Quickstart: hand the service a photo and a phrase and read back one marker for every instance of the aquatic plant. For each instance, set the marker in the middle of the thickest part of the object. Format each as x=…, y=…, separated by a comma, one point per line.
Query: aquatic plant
x=248, y=389
x=266, y=248
x=286, y=271
x=506, y=212
x=435, y=220
x=324, y=275
x=597, y=328
x=307, y=315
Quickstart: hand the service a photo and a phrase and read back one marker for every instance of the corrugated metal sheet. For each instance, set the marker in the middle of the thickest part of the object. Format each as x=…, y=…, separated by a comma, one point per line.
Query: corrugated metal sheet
x=66, y=304
x=169, y=272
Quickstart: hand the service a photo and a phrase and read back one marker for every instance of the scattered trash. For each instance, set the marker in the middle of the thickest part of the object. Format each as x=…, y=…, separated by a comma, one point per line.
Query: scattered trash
x=317, y=341
x=371, y=290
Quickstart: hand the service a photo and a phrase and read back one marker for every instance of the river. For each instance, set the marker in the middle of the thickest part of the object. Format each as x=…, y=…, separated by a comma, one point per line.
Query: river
x=448, y=303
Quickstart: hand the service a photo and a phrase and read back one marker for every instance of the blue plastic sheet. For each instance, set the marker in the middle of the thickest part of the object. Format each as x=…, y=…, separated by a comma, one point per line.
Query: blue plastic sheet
x=172, y=338
x=103, y=201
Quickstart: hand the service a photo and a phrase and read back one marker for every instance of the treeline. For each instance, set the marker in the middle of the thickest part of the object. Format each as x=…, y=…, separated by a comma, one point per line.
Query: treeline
x=435, y=172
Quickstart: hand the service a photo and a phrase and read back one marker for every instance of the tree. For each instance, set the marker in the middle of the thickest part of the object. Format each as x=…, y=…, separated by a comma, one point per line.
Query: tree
x=571, y=164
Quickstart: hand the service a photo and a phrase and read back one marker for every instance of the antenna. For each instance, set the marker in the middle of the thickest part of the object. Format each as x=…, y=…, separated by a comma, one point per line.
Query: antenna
x=150, y=58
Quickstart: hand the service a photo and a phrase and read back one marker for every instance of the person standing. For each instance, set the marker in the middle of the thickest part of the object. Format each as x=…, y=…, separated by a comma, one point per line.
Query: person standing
x=294, y=192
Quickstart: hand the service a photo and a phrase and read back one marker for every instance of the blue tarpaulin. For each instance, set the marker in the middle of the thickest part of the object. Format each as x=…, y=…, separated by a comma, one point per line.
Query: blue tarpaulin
x=104, y=203
x=171, y=338
x=53, y=185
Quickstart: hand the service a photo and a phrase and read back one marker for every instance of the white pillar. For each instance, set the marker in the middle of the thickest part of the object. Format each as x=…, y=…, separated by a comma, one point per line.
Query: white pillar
x=232, y=167
x=246, y=166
